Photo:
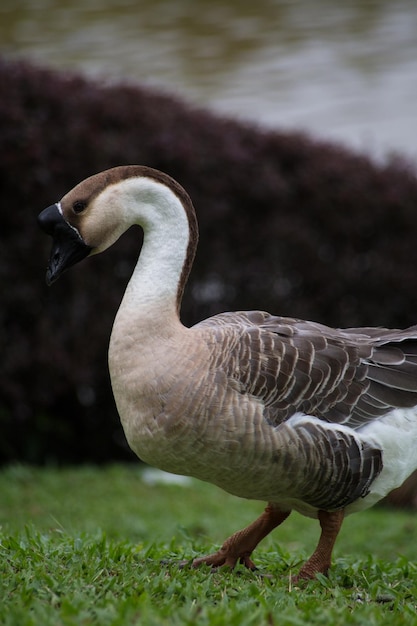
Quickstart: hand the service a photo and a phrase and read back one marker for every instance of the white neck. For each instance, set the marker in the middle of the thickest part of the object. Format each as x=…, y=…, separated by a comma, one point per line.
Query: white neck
x=153, y=288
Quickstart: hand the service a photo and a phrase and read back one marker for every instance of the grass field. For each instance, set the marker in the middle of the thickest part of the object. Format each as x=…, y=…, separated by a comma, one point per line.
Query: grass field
x=88, y=546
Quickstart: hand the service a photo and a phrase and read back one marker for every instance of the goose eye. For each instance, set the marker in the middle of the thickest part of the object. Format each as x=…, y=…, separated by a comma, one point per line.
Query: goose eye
x=79, y=206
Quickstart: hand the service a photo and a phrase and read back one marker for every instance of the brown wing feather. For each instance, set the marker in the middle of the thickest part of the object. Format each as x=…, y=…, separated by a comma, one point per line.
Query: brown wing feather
x=331, y=467
x=348, y=376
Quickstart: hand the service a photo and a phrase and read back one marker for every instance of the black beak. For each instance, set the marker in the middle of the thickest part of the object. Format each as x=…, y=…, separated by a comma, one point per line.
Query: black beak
x=68, y=246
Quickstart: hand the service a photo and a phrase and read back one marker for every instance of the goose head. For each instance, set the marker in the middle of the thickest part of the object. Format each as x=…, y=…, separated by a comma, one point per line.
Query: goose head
x=97, y=211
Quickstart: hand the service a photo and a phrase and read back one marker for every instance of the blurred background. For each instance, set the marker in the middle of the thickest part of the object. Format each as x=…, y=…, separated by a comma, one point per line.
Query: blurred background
x=293, y=126
x=342, y=70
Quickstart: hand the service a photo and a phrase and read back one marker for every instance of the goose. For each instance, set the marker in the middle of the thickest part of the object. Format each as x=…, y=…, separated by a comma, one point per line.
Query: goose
x=293, y=413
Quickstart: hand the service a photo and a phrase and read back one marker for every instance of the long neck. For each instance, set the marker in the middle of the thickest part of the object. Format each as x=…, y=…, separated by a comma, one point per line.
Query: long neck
x=154, y=284
x=153, y=295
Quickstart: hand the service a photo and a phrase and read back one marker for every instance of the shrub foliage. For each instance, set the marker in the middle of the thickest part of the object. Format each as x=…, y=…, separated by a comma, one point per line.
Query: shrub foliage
x=288, y=224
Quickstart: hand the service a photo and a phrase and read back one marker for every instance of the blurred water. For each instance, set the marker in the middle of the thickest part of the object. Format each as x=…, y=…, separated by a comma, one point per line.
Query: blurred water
x=346, y=71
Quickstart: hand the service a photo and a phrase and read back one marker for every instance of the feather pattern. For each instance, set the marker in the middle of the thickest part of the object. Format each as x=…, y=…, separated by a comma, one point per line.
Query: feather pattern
x=339, y=377
x=347, y=376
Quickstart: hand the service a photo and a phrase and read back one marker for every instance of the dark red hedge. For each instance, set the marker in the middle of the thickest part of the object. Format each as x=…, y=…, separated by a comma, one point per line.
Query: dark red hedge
x=288, y=224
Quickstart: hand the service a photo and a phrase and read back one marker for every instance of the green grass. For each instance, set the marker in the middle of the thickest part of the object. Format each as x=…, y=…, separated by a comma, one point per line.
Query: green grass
x=87, y=546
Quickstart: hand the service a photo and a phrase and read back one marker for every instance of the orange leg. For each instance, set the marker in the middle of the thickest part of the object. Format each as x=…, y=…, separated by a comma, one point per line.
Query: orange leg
x=320, y=561
x=240, y=546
